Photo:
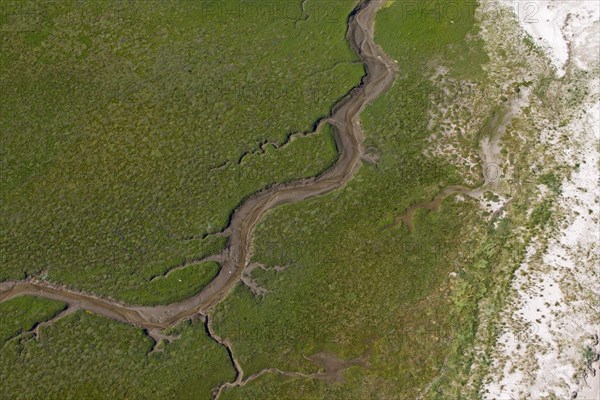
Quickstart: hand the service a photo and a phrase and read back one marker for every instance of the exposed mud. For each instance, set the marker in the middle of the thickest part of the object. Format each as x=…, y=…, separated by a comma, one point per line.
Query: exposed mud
x=334, y=366
x=432, y=205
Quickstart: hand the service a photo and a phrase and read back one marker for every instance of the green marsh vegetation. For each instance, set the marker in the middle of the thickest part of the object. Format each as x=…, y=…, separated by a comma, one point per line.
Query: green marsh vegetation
x=123, y=124
x=353, y=284
x=427, y=330
x=130, y=130
x=91, y=357
x=21, y=314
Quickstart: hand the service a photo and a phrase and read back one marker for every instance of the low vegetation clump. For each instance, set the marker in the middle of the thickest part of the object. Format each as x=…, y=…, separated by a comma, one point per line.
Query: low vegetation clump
x=176, y=286
x=23, y=313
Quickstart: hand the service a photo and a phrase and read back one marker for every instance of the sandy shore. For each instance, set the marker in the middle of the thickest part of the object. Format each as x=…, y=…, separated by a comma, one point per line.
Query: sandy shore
x=555, y=292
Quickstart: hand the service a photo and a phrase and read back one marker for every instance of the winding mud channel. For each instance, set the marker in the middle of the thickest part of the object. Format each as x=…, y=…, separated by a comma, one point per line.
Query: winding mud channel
x=380, y=74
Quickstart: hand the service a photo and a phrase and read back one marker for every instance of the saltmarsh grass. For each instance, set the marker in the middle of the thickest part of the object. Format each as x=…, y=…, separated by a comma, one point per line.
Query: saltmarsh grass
x=91, y=357
x=353, y=284
x=21, y=314
x=122, y=124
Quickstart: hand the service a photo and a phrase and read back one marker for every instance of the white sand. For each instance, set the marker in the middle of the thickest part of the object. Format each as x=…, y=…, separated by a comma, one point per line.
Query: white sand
x=561, y=27
x=554, y=310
